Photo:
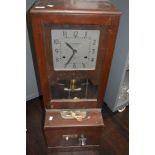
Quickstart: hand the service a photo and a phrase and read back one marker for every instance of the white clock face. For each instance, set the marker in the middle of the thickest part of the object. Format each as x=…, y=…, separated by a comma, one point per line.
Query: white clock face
x=74, y=49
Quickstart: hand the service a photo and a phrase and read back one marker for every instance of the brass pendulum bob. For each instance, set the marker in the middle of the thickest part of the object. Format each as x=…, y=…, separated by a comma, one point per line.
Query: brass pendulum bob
x=73, y=84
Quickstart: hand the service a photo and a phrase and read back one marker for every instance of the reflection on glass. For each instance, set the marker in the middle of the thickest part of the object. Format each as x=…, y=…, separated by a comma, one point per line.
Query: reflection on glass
x=74, y=89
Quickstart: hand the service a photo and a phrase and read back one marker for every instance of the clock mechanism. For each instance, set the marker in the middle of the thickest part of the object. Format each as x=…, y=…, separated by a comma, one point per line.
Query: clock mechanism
x=74, y=89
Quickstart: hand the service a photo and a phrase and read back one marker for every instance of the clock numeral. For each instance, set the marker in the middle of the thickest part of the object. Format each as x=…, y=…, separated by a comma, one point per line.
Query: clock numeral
x=74, y=65
x=93, y=51
x=56, y=50
x=85, y=36
x=92, y=59
x=65, y=34
x=75, y=34
x=94, y=42
x=56, y=41
x=84, y=65
x=57, y=59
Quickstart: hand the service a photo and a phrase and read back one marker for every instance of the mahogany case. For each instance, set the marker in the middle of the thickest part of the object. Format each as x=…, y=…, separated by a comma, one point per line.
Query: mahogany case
x=46, y=14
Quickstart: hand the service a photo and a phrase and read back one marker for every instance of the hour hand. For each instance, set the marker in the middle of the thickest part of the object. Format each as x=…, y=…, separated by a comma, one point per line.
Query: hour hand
x=69, y=46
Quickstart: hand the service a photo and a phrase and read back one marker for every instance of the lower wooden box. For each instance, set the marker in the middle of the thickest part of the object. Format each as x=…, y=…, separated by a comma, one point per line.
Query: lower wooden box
x=67, y=134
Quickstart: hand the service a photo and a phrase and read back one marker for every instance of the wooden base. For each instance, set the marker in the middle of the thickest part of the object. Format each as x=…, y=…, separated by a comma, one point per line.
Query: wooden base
x=73, y=148
x=115, y=137
x=70, y=134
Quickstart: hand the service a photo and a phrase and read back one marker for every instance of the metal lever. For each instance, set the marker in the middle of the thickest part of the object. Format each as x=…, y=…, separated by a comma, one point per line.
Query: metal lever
x=72, y=90
x=82, y=140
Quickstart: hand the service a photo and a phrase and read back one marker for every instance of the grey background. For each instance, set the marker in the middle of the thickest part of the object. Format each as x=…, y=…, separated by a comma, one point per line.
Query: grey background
x=120, y=58
x=120, y=55
x=31, y=83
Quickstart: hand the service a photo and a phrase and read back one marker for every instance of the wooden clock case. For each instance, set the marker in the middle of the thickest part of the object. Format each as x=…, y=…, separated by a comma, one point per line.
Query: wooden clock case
x=61, y=134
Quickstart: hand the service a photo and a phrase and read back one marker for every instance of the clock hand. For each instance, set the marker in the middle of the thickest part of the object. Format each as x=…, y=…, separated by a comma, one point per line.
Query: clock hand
x=69, y=46
x=74, y=51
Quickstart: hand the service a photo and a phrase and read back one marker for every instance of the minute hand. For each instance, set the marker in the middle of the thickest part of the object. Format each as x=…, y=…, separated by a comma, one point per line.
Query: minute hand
x=69, y=46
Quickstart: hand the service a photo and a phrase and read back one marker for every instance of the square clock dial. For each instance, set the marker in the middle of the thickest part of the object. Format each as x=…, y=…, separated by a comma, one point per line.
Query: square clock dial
x=74, y=49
